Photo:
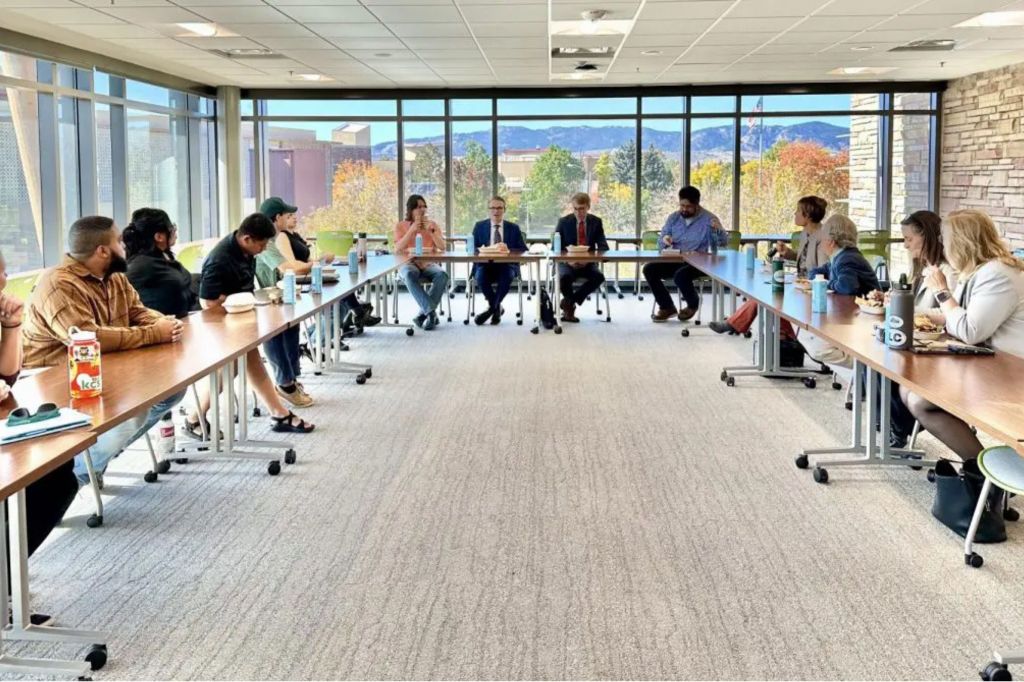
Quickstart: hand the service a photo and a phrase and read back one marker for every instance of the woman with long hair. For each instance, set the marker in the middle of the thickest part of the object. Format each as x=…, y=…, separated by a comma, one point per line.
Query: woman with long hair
x=162, y=282
x=417, y=223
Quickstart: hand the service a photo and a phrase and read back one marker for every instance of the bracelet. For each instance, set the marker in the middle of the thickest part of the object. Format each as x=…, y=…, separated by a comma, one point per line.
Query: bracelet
x=10, y=326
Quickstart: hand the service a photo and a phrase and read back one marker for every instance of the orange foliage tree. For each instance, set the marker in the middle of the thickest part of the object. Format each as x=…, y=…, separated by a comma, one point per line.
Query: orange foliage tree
x=364, y=198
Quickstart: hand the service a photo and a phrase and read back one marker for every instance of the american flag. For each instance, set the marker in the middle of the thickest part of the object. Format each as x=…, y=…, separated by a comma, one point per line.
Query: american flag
x=752, y=119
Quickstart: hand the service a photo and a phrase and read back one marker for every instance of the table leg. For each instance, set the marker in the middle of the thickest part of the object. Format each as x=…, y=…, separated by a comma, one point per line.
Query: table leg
x=556, y=302
x=382, y=283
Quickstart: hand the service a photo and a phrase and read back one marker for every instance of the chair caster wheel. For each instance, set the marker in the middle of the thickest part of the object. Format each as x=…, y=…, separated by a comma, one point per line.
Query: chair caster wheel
x=465, y=322
x=640, y=297
x=810, y=382
x=535, y=330
x=409, y=332
x=820, y=475
x=931, y=475
x=256, y=412
x=361, y=379
x=622, y=296
x=94, y=521
x=274, y=468
x=163, y=466
x=697, y=322
x=519, y=322
x=849, y=405
x=801, y=462
x=97, y=656
x=836, y=386
x=973, y=560
x=723, y=376
x=289, y=456
x=88, y=679
x=685, y=332
x=1010, y=514
x=150, y=477
x=996, y=671
x=558, y=330
x=731, y=381
x=181, y=460
x=368, y=373
x=747, y=335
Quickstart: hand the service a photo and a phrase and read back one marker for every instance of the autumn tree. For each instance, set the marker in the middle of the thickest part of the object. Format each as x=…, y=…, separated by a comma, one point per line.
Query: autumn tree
x=364, y=198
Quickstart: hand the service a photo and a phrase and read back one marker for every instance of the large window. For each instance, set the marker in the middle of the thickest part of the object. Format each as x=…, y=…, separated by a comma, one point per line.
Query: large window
x=21, y=221
x=342, y=175
x=157, y=160
x=752, y=155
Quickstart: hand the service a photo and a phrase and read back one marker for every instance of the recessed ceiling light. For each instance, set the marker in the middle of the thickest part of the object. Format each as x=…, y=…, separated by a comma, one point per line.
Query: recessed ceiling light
x=248, y=52
x=651, y=53
x=861, y=70
x=577, y=76
x=200, y=30
x=862, y=48
x=311, y=77
x=993, y=19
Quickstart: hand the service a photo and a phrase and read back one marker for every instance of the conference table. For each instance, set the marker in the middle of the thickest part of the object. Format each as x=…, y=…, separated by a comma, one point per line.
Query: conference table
x=22, y=464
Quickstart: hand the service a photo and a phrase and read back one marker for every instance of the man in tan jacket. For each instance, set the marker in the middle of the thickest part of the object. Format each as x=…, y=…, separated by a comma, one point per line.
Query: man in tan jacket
x=90, y=291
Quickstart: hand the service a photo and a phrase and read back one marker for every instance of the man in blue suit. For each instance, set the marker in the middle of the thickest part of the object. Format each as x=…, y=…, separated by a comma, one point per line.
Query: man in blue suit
x=495, y=279
x=580, y=228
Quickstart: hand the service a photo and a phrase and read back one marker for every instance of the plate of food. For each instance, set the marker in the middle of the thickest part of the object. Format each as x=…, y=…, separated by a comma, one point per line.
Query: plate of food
x=872, y=304
x=802, y=283
x=925, y=329
x=577, y=249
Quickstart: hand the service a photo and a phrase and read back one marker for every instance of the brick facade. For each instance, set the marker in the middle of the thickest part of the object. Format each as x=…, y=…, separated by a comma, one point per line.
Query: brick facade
x=983, y=148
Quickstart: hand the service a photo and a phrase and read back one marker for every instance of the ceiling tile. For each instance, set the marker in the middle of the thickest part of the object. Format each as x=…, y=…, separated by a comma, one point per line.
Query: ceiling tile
x=403, y=30
x=388, y=43
x=104, y=4
x=79, y=15
x=506, y=13
x=242, y=15
x=328, y=14
x=350, y=30
x=450, y=55
x=790, y=8
x=509, y=30
x=428, y=14
x=309, y=43
x=930, y=22
x=119, y=30
x=843, y=8
x=572, y=11
x=663, y=27
x=217, y=3
x=851, y=23
x=441, y=43
x=155, y=15
x=289, y=3
x=279, y=30
x=685, y=11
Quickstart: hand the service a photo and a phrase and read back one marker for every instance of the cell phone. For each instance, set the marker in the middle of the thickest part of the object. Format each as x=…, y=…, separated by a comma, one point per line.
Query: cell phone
x=967, y=349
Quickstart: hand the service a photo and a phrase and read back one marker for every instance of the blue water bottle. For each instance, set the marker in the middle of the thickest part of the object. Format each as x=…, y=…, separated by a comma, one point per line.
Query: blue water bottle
x=288, y=284
x=419, y=245
x=316, y=279
x=470, y=245
x=751, y=251
x=353, y=261
x=556, y=244
x=819, y=294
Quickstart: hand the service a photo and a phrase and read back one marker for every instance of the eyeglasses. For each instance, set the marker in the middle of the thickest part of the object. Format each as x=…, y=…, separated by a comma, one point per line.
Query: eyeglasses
x=497, y=208
x=23, y=415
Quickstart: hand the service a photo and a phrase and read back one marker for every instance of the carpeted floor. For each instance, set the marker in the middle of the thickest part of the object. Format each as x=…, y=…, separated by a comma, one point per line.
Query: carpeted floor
x=498, y=505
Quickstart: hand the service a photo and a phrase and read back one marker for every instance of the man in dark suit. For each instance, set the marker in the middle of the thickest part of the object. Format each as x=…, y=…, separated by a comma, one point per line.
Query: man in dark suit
x=495, y=279
x=580, y=228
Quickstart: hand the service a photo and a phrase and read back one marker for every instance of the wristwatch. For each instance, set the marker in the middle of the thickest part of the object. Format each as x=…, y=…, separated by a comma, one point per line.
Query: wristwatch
x=943, y=296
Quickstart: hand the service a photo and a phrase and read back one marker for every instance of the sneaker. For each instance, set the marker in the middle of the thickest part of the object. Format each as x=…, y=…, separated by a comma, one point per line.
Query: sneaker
x=419, y=320
x=483, y=317
x=371, y=320
x=430, y=322
x=296, y=396
x=722, y=327
x=897, y=440
x=83, y=480
x=435, y=319
x=496, y=316
x=663, y=314
x=686, y=313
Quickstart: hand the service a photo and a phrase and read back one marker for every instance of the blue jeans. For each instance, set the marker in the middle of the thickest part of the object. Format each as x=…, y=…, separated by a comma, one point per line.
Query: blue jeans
x=283, y=353
x=434, y=275
x=113, y=442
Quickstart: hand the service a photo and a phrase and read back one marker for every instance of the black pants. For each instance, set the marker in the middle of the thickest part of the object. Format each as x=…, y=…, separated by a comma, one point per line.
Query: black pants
x=901, y=421
x=683, y=275
x=591, y=276
x=46, y=500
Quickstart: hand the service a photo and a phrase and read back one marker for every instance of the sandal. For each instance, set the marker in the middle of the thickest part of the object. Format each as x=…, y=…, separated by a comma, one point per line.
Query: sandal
x=192, y=430
x=288, y=424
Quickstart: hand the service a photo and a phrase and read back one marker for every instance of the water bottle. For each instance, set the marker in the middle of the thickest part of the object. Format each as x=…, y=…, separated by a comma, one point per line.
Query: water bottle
x=778, y=274
x=470, y=245
x=713, y=245
x=819, y=294
x=899, y=316
x=419, y=245
x=556, y=244
x=165, y=437
x=361, y=247
x=316, y=279
x=751, y=251
x=353, y=261
x=288, y=285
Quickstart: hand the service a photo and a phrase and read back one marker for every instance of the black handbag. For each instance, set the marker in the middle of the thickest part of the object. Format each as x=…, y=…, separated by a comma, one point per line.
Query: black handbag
x=956, y=496
x=547, y=311
x=791, y=353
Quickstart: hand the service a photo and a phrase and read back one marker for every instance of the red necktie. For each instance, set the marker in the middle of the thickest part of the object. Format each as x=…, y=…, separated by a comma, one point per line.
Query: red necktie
x=581, y=234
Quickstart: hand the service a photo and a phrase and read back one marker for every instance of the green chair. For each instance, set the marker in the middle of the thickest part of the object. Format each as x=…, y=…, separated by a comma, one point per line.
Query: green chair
x=794, y=240
x=338, y=242
x=191, y=257
x=21, y=286
x=874, y=245
x=734, y=239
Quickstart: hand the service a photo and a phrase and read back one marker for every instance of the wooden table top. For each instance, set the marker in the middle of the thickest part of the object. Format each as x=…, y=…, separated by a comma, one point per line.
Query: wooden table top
x=983, y=391
x=25, y=462
x=619, y=256
x=463, y=257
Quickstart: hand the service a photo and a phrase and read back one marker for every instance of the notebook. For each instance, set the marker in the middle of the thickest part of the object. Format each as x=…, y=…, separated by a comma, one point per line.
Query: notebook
x=66, y=420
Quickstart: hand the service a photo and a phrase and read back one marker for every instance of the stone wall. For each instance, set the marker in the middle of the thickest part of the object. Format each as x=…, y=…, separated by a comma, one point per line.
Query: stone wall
x=983, y=148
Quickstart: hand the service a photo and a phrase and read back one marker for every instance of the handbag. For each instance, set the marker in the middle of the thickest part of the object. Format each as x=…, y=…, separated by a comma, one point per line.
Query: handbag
x=547, y=311
x=956, y=496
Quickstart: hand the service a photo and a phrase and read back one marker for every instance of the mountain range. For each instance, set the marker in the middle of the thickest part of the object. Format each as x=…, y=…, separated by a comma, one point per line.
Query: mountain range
x=712, y=142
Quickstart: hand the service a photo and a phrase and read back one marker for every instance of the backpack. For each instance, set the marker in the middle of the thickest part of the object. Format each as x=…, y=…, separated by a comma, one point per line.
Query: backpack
x=547, y=311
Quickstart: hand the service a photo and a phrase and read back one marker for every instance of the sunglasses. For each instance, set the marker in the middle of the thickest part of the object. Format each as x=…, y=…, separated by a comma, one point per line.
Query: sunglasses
x=23, y=415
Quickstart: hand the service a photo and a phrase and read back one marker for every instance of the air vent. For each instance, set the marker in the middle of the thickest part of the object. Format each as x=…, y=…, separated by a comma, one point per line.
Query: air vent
x=584, y=66
x=943, y=45
x=247, y=53
x=582, y=52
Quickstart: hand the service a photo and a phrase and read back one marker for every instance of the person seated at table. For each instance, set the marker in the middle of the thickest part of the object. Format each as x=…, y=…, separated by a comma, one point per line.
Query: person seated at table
x=691, y=228
x=579, y=228
x=417, y=223
x=48, y=498
x=294, y=253
x=809, y=254
x=163, y=283
x=231, y=269
x=985, y=308
x=848, y=273
x=495, y=279
x=922, y=238
x=89, y=290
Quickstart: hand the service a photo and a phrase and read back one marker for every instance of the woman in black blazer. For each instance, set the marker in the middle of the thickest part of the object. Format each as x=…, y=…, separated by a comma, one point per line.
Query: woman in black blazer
x=162, y=282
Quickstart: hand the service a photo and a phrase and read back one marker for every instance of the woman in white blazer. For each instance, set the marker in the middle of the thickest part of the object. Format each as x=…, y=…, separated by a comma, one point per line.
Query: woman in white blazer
x=986, y=307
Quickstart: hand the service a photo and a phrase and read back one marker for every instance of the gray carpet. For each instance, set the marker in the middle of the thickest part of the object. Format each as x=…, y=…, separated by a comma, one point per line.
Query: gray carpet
x=497, y=505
